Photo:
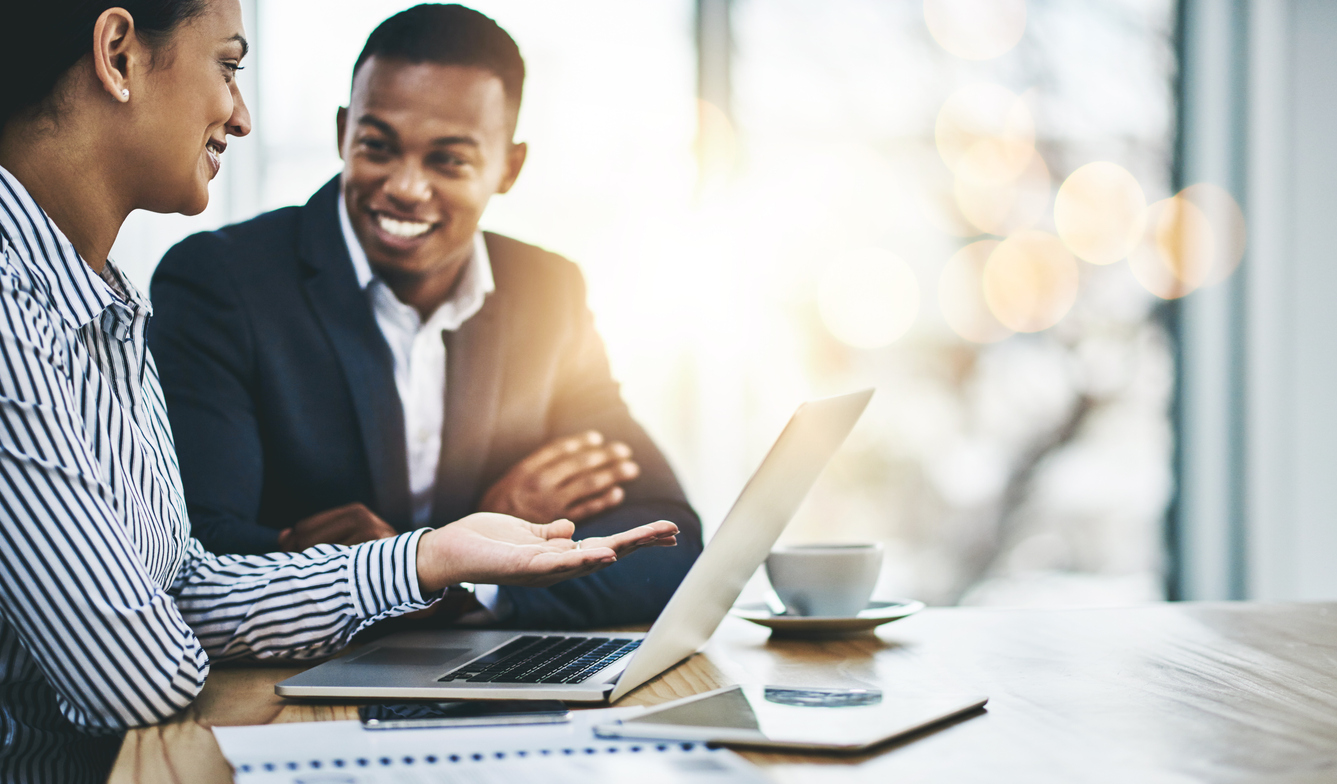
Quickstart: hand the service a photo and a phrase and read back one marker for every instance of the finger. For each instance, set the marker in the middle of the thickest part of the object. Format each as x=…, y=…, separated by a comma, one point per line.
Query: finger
x=563, y=564
x=635, y=537
x=367, y=530
x=592, y=484
x=356, y=525
x=558, y=449
x=551, y=568
x=577, y=465
x=358, y=536
x=557, y=529
x=594, y=506
x=335, y=525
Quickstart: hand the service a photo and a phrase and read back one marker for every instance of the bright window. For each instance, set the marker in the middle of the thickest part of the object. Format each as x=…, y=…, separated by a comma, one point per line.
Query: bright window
x=839, y=226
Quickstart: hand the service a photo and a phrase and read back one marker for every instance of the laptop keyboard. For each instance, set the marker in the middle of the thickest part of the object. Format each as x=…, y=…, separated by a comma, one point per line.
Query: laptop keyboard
x=544, y=659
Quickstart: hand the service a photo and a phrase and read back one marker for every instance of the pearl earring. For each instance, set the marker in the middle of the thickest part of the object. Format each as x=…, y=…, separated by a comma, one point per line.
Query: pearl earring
x=125, y=94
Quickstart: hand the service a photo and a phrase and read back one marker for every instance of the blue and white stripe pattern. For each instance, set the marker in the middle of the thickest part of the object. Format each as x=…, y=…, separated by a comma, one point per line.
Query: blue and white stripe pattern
x=109, y=611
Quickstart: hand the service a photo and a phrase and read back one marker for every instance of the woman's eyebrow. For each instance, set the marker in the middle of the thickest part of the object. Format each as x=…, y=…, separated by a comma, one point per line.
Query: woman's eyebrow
x=241, y=39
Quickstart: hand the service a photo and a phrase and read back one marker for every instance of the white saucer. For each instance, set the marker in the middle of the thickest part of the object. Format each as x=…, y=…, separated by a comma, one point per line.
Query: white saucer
x=784, y=625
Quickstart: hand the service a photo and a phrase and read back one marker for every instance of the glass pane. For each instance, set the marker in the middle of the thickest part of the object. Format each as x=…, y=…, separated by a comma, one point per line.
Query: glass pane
x=1019, y=448
x=830, y=230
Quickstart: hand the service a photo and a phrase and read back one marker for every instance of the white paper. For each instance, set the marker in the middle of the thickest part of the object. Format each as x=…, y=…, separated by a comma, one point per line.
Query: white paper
x=342, y=752
x=323, y=740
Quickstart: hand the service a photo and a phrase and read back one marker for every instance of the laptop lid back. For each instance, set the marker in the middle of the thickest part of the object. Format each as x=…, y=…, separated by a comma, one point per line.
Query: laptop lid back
x=768, y=502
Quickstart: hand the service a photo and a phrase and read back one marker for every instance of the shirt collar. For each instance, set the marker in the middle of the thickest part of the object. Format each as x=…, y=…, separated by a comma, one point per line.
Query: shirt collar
x=476, y=280
x=72, y=288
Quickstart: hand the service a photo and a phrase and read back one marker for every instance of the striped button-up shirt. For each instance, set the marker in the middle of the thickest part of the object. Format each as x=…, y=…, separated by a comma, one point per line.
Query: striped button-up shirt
x=109, y=611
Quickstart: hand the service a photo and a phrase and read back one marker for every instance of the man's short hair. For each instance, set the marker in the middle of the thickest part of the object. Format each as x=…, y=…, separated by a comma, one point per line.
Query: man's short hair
x=450, y=35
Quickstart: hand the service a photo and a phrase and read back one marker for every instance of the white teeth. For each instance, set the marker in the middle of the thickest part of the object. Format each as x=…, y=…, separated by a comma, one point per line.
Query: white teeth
x=405, y=229
x=214, y=156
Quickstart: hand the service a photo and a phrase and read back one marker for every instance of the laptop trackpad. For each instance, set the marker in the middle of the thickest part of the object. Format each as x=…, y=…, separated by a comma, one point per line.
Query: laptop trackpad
x=411, y=657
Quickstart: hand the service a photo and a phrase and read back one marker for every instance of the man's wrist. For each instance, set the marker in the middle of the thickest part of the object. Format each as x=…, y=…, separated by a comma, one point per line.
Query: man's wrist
x=493, y=606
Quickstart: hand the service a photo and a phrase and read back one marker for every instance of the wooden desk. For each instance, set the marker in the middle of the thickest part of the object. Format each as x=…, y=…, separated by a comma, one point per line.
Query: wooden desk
x=1162, y=693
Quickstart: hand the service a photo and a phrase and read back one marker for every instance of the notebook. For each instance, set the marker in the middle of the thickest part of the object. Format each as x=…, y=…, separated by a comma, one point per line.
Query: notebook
x=342, y=752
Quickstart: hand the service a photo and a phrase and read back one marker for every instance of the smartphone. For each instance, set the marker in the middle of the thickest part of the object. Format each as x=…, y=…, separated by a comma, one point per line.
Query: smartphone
x=476, y=713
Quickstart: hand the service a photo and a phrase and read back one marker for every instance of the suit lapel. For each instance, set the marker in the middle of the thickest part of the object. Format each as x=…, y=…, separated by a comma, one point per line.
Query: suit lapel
x=474, y=364
x=368, y=367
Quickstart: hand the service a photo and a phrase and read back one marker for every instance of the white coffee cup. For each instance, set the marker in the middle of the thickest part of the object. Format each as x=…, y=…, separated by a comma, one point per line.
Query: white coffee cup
x=834, y=580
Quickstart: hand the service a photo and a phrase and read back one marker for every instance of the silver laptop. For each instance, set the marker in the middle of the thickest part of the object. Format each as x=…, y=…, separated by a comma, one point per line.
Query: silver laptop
x=593, y=667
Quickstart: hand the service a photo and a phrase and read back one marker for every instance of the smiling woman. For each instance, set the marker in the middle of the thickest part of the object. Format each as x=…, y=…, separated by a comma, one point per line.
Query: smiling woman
x=141, y=117
x=110, y=614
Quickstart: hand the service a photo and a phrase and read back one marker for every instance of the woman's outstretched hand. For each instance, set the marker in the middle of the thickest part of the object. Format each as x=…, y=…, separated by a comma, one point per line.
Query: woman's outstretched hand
x=504, y=550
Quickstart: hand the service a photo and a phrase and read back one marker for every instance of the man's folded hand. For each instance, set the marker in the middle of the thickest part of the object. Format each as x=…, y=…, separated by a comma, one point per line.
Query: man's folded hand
x=571, y=478
x=351, y=524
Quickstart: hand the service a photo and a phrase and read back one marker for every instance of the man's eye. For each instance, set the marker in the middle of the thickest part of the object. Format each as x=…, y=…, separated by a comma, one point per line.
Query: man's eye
x=375, y=145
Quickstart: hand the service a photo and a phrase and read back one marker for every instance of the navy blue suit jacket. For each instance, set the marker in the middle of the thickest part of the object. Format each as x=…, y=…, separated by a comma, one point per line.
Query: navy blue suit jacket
x=281, y=393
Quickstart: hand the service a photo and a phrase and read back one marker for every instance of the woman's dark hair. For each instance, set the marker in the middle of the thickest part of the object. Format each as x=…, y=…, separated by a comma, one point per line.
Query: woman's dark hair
x=449, y=35
x=48, y=37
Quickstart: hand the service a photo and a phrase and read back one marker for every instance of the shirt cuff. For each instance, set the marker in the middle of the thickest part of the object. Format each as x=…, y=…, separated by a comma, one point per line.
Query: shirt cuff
x=385, y=577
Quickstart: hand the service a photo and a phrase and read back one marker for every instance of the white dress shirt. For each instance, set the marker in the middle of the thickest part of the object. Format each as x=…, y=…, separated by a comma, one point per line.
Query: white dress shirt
x=419, y=351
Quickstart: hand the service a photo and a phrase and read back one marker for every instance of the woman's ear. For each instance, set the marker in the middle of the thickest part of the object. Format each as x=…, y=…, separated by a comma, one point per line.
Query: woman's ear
x=119, y=57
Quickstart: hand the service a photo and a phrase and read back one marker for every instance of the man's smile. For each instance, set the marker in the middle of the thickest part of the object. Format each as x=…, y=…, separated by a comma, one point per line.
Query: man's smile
x=400, y=232
x=406, y=229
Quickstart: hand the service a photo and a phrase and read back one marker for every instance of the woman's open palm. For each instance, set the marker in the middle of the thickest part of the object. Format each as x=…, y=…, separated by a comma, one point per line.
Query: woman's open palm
x=504, y=550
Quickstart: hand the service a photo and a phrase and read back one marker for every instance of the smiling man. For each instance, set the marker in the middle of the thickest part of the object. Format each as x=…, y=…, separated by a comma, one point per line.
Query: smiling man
x=371, y=362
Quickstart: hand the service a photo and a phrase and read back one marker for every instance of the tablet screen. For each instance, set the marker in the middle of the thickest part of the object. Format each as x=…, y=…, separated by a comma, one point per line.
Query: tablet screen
x=794, y=716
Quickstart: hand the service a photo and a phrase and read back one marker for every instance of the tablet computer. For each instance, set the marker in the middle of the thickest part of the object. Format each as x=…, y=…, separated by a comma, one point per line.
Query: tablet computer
x=847, y=720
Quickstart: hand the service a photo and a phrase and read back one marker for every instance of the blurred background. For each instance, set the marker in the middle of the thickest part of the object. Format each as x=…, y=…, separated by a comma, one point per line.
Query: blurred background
x=1022, y=221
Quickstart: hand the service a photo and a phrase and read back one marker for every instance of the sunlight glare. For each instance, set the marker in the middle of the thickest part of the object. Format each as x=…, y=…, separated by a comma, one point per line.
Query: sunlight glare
x=986, y=133
x=1175, y=256
x=961, y=294
x=1030, y=281
x=976, y=29
x=869, y=298
x=1006, y=207
x=1100, y=212
x=716, y=149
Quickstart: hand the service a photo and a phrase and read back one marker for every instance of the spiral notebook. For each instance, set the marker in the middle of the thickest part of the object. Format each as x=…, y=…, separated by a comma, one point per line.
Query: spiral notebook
x=342, y=752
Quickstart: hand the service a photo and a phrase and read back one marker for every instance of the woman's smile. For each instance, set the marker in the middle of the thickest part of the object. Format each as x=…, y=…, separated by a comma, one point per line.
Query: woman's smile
x=213, y=150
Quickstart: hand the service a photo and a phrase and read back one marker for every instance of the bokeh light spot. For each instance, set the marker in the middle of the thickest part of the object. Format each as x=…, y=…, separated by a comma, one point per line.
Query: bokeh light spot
x=1030, y=281
x=869, y=298
x=1100, y=212
x=985, y=133
x=976, y=29
x=1005, y=207
x=1177, y=252
x=1229, y=234
x=961, y=294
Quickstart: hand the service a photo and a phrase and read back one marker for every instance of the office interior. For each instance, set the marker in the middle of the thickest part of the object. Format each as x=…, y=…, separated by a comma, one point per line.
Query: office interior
x=1079, y=248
